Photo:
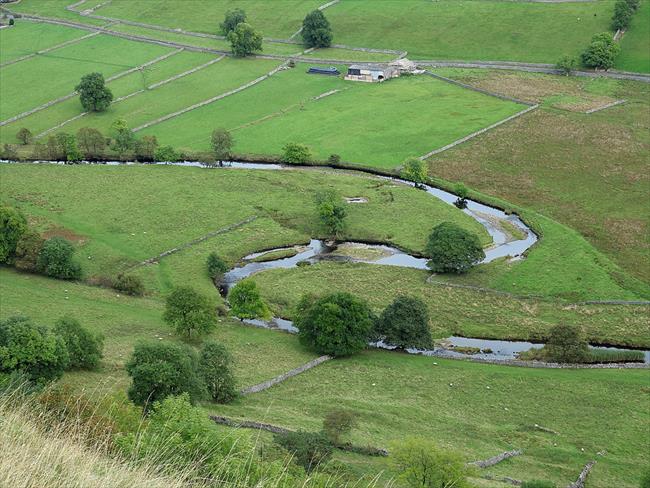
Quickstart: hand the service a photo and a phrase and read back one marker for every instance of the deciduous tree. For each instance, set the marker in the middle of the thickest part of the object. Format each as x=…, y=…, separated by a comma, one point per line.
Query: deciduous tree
x=93, y=93
x=189, y=312
x=452, y=249
x=244, y=40
x=316, y=30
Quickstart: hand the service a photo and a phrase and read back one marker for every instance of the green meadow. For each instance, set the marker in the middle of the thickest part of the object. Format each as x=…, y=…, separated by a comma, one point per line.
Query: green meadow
x=27, y=38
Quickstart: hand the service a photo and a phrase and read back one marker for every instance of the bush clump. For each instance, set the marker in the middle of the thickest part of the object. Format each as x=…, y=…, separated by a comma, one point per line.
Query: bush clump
x=84, y=348
x=129, y=284
x=56, y=259
x=338, y=324
x=566, y=344
x=215, y=364
x=338, y=423
x=309, y=449
x=12, y=226
x=246, y=302
x=296, y=153
x=602, y=52
x=216, y=266
x=331, y=211
x=27, y=251
x=452, y=249
x=405, y=324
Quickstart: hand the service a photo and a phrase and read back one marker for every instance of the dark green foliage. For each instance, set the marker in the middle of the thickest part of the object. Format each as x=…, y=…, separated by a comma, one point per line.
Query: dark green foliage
x=12, y=21
x=246, y=302
x=189, y=312
x=63, y=147
x=316, y=30
x=25, y=136
x=216, y=266
x=538, y=484
x=12, y=227
x=56, y=259
x=91, y=142
x=31, y=349
x=9, y=152
x=602, y=52
x=415, y=170
x=634, y=4
x=129, y=284
x=462, y=192
x=296, y=153
x=158, y=370
x=93, y=93
x=84, y=348
x=145, y=148
x=645, y=479
x=27, y=250
x=244, y=40
x=123, y=137
x=331, y=211
x=338, y=324
x=566, y=344
x=566, y=65
x=452, y=249
x=232, y=19
x=222, y=142
x=334, y=159
x=405, y=324
x=166, y=154
x=309, y=449
x=338, y=423
x=215, y=365
x=622, y=15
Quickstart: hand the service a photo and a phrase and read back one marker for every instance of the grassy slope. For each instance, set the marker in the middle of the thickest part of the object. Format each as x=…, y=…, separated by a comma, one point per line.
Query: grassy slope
x=52, y=8
x=100, y=53
x=471, y=30
x=56, y=114
x=28, y=38
x=635, y=45
x=279, y=18
x=127, y=214
x=593, y=410
x=455, y=310
x=352, y=122
x=594, y=181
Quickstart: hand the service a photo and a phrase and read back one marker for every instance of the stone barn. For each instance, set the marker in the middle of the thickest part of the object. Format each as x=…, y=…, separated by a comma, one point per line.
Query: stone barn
x=371, y=73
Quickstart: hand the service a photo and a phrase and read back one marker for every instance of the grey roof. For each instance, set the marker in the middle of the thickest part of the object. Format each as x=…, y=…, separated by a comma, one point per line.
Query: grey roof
x=373, y=67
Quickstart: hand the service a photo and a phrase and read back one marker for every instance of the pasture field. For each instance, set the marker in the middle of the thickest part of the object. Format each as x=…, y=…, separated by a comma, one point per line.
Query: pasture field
x=352, y=122
x=559, y=176
x=98, y=53
x=26, y=38
x=446, y=401
x=131, y=213
x=635, y=54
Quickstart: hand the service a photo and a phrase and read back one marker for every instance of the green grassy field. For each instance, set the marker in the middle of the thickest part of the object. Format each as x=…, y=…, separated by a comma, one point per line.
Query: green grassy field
x=594, y=181
x=446, y=401
x=635, y=50
x=100, y=53
x=28, y=38
x=487, y=315
x=471, y=30
x=132, y=213
x=351, y=122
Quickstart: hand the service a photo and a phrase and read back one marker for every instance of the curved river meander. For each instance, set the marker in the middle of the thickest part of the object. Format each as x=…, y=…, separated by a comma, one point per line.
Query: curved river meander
x=494, y=221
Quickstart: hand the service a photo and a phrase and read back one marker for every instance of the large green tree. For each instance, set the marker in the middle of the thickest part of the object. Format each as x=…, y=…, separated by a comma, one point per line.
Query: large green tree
x=405, y=324
x=602, y=52
x=452, y=249
x=415, y=170
x=84, y=347
x=12, y=226
x=56, y=259
x=244, y=40
x=189, y=312
x=221, y=142
x=316, y=30
x=338, y=324
x=215, y=365
x=93, y=93
x=246, y=302
x=31, y=349
x=158, y=370
x=231, y=20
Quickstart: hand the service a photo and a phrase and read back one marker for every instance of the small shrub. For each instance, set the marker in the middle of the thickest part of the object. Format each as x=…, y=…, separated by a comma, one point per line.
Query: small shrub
x=158, y=370
x=405, y=324
x=13, y=226
x=338, y=423
x=462, y=192
x=123, y=137
x=309, y=449
x=56, y=260
x=215, y=364
x=25, y=136
x=166, y=154
x=331, y=212
x=189, y=312
x=12, y=21
x=296, y=153
x=216, y=266
x=452, y=249
x=338, y=324
x=9, y=152
x=566, y=344
x=129, y=284
x=145, y=148
x=566, y=65
x=84, y=348
x=222, y=142
x=415, y=170
x=27, y=250
x=246, y=302
x=538, y=484
x=602, y=52
x=334, y=159
x=31, y=349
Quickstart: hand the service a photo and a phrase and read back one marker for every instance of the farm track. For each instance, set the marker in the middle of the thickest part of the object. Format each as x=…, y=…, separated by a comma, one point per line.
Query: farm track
x=500, y=65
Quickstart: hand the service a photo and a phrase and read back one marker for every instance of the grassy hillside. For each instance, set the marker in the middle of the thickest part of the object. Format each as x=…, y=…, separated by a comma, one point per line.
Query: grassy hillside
x=635, y=44
x=26, y=38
